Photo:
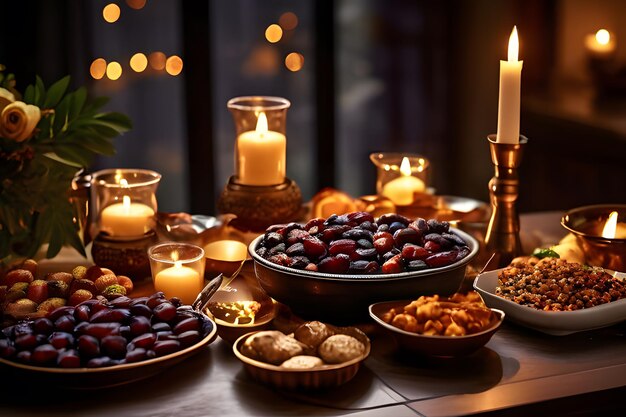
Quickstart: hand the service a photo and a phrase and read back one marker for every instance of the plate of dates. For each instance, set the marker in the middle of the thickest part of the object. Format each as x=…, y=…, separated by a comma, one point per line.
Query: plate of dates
x=101, y=343
x=334, y=268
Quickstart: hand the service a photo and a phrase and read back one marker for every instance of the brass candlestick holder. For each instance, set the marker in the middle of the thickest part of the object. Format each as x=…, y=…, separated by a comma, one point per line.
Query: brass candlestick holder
x=502, y=237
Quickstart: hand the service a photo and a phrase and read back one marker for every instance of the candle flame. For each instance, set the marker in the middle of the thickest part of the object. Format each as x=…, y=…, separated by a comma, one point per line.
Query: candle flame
x=126, y=202
x=261, y=123
x=513, y=45
x=610, y=226
x=175, y=256
x=603, y=37
x=405, y=167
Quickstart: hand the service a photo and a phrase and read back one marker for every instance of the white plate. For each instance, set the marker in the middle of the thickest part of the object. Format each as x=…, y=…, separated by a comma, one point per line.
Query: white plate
x=551, y=322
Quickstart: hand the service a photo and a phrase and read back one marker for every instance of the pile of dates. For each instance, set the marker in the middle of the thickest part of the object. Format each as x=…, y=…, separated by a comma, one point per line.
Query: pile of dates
x=356, y=243
x=99, y=333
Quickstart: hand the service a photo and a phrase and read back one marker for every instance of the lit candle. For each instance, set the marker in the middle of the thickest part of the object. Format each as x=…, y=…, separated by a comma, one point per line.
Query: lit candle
x=401, y=190
x=601, y=44
x=509, y=102
x=179, y=281
x=261, y=155
x=612, y=229
x=126, y=218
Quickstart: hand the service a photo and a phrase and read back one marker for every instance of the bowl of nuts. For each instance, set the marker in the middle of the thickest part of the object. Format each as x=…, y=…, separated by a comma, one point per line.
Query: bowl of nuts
x=439, y=326
x=334, y=268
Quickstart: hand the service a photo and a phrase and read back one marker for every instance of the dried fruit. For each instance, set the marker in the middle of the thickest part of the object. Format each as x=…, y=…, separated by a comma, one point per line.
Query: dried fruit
x=18, y=275
x=104, y=281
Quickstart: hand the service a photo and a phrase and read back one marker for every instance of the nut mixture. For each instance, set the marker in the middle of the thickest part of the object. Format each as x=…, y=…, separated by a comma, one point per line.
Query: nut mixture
x=553, y=284
x=459, y=315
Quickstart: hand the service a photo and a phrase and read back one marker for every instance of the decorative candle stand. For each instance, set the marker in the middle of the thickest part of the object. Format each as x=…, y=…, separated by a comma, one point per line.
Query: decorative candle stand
x=502, y=237
x=258, y=207
x=123, y=207
x=259, y=193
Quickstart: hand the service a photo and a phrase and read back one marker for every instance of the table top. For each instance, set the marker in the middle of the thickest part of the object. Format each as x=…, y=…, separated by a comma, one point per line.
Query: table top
x=517, y=372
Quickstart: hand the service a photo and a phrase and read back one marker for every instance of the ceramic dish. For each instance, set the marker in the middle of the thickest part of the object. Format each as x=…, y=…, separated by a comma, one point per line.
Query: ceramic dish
x=344, y=298
x=444, y=346
x=95, y=378
x=550, y=322
x=291, y=379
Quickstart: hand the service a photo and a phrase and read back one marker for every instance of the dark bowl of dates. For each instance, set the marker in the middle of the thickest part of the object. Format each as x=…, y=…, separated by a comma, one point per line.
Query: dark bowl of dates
x=319, y=377
x=343, y=298
x=97, y=344
x=434, y=345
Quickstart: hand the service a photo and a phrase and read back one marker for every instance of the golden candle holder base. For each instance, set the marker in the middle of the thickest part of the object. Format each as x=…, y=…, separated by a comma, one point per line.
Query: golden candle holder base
x=124, y=256
x=502, y=237
x=258, y=207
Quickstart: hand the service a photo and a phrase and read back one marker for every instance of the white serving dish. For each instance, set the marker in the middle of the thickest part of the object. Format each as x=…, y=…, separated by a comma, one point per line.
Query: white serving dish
x=551, y=322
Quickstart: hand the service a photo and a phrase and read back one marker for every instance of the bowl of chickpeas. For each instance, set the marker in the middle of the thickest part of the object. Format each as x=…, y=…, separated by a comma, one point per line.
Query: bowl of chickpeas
x=451, y=326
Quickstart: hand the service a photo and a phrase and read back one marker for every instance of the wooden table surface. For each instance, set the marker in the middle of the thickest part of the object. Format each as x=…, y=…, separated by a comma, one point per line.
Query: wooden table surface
x=519, y=372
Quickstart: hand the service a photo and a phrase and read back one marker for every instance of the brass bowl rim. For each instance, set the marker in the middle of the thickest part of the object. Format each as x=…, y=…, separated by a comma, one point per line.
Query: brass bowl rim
x=566, y=221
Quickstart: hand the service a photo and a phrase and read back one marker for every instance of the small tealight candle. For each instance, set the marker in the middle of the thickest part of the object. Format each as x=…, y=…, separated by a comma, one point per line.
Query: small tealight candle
x=177, y=270
x=126, y=218
x=401, y=191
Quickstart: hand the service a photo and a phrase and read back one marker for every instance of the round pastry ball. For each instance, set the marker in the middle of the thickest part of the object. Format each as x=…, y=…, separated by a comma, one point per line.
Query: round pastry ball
x=302, y=362
x=271, y=346
x=340, y=348
x=313, y=333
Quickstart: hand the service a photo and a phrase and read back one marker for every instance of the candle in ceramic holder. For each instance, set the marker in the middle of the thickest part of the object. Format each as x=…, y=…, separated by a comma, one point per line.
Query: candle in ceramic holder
x=600, y=231
x=177, y=270
x=127, y=218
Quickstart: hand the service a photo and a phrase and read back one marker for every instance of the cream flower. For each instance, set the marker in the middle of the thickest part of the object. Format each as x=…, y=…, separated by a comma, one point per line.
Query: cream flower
x=18, y=120
x=6, y=98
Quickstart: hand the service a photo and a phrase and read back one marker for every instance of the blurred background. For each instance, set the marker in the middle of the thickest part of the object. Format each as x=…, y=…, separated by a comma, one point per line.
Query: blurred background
x=362, y=76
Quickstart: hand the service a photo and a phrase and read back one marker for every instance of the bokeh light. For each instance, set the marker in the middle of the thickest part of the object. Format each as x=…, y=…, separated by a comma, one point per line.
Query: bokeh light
x=114, y=70
x=98, y=68
x=273, y=33
x=174, y=65
x=138, y=62
x=294, y=61
x=111, y=12
x=136, y=4
x=157, y=60
x=288, y=21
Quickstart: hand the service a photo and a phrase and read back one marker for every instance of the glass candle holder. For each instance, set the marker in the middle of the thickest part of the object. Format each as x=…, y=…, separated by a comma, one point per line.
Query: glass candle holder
x=177, y=270
x=400, y=176
x=124, y=202
x=261, y=144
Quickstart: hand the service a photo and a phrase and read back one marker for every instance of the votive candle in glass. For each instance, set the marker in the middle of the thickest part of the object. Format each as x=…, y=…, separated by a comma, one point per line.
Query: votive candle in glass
x=177, y=270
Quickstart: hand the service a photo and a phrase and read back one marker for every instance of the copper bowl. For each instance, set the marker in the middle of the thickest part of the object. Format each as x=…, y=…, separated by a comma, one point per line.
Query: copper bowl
x=586, y=224
x=343, y=298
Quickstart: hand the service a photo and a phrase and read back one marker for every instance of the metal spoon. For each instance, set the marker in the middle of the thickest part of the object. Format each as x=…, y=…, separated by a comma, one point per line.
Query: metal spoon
x=207, y=292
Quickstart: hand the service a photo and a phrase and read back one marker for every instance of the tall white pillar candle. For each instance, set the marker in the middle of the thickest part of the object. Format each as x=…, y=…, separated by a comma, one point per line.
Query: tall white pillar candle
x=509, y=101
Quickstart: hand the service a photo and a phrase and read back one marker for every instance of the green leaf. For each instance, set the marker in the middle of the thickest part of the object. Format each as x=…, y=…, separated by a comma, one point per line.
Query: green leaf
x=29, y=95
x=40, y=92
x=122, y=121
x=56, y=92
x=78, y=99
x=74, y=154
x=101, y=146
